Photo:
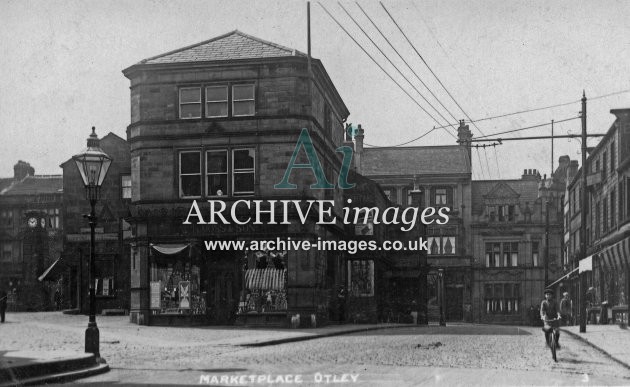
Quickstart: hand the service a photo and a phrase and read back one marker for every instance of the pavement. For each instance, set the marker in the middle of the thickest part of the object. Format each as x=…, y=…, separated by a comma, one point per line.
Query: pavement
x=54, y=356
x=609, y=339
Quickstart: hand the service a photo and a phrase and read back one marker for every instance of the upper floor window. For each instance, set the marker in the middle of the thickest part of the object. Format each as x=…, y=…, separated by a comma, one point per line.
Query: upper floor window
x=6, y=252
x=190, y=174
x=613, y=214
x=612, y=157
x=227, y=172
x=535, y=253
x=507, y=250
x=217, y=172
x=243, y=175
x=125, y=186
x=190, y=102
x=388, y=193
x=53, y=218
x=6, y=218
x=604, y=166
x=442, y=196
x=216, y=101
x=442, y=240
x=243, y=101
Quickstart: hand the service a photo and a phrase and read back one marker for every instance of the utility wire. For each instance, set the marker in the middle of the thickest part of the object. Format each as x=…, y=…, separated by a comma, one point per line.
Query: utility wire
x=551, y=106
x=404, y=143
x=403, y=59
x=396, y=67
x=381, y=67
x=528, y=127
x=429, y=67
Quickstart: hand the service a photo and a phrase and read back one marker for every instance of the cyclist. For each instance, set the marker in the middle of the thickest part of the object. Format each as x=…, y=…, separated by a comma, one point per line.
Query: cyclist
x=549, y=310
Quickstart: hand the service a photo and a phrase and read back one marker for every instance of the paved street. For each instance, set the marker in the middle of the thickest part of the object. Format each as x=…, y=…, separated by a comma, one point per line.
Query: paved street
x=457, y=354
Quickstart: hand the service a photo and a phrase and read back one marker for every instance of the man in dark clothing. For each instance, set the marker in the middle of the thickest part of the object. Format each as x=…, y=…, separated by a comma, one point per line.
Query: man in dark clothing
x=549, y=310
x=566, y=309
x=3, y=304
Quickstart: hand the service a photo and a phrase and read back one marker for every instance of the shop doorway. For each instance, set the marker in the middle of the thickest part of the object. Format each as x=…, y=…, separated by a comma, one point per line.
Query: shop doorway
x=222, y=290
x=454, y=303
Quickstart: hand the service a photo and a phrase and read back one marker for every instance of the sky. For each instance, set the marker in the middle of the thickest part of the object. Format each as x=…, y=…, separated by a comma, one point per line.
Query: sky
x=61, y=68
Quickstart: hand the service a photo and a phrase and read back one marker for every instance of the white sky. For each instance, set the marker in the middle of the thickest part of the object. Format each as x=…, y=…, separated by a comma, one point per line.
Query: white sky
x=61, y=65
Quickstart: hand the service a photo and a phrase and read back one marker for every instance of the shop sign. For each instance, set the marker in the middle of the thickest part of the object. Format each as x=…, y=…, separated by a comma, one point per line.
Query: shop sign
x=86, y=237
x=593, y=178
x=586, y=264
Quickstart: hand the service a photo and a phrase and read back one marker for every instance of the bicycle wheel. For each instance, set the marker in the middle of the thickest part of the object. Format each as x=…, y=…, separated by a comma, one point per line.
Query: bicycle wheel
x=552, y=345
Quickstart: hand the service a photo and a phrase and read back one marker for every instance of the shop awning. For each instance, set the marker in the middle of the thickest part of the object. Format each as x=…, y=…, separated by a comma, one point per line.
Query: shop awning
x=617, y=256
x=566, y=276
x=586, y=264
x=169, y=249
x=45, y=273
x=265, y=279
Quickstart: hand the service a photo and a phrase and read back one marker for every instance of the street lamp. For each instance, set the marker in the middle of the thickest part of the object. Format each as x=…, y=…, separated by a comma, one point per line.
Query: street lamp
x=93, y=164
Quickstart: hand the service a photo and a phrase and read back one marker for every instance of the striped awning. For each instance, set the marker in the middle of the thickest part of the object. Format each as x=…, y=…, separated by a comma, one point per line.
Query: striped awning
x=265, y=279
x=617, y=256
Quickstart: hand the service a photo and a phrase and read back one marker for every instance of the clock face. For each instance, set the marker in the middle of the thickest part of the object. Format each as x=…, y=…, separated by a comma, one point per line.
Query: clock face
x=32, y=222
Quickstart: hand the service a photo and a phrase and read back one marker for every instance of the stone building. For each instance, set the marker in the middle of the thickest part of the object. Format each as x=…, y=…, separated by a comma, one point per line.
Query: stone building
x=443, y=175
x=220, y=120
x=517, y=238
x=112, y=261
x=607, y=265
x=30, y=237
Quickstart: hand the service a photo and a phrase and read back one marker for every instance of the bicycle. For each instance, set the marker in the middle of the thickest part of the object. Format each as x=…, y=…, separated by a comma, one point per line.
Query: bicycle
x=554, y=324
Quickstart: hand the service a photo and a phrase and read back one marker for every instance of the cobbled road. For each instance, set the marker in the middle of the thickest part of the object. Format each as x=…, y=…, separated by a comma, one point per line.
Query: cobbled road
x=454, y=355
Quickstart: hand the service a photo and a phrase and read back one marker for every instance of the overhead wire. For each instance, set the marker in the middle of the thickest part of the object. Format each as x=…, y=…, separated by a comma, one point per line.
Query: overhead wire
x=404, y=143
x=550, y=106
x=480, y=163
x=496, y=159
x=398, y=70
x=485, y=153
x=375, y=62
x=403, y=59
x=429, y=67
x=528, y=127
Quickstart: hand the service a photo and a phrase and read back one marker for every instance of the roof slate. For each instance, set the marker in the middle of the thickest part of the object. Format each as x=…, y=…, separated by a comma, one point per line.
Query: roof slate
x=415, y=160
x=36, y=185
x=231, y=46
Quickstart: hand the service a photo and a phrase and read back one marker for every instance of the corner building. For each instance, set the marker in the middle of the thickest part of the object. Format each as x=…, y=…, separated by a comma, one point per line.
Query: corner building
x=219, y=120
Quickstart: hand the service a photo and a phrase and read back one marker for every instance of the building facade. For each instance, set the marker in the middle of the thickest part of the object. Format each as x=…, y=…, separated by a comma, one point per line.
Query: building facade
x=443, y=175
x=31, y=231
x=606, y=265
x=517, y=241
x=112, y=232
x=220, y=121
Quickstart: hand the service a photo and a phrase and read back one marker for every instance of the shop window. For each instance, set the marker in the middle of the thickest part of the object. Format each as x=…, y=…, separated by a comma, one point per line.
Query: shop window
x=104, y=277
x=190, y=174
x=125, y=186
x=442, y=240
x=535, y=253
x=361, y=278
x=265, y=288
x=216, y=101
x=175, y=284
x=243, y=161
x=243, y=100
x=217, y=172
x=502, y=298
x=190, y=102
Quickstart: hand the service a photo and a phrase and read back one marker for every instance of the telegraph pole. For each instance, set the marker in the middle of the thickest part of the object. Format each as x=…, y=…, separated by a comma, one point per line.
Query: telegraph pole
x=583, y=202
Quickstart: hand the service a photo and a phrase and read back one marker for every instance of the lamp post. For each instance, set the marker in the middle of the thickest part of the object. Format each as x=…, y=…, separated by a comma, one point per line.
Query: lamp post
x=93, y=164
